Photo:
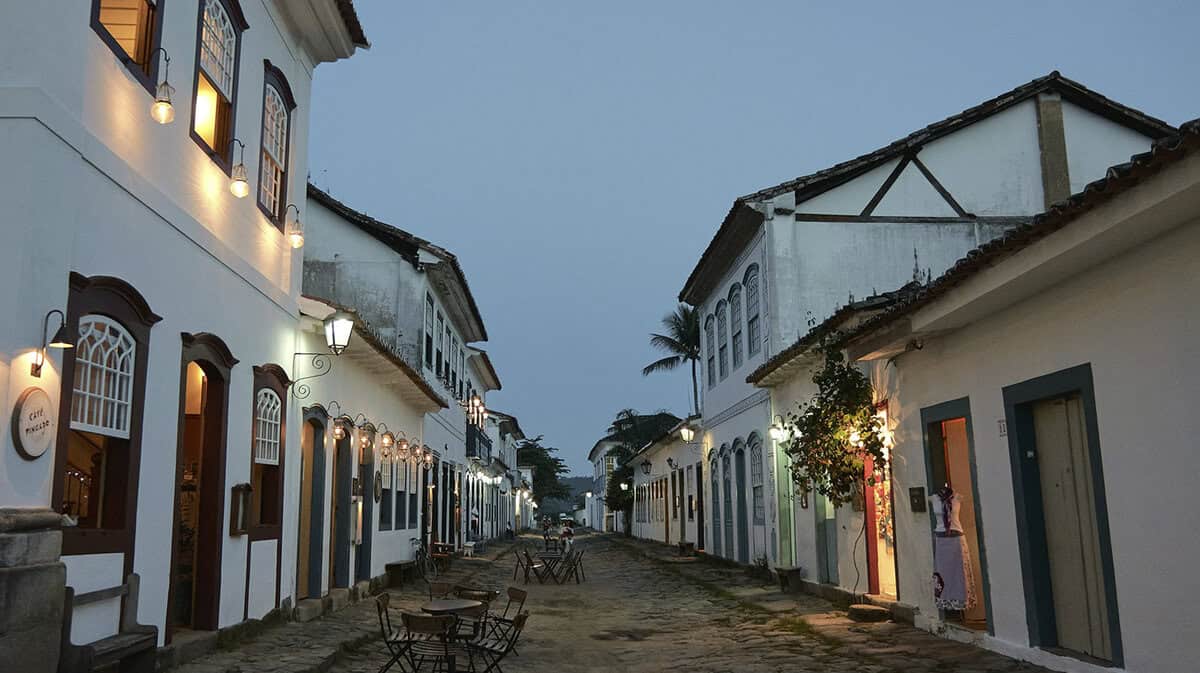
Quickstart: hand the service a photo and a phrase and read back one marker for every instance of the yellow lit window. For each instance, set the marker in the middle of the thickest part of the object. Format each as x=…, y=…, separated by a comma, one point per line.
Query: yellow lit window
x=216, y=79
x=130, y=25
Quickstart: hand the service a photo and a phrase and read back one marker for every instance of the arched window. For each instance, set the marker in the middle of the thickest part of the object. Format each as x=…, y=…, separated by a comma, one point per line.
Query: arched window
x=756, y=479
x=97, y=456
x=278, y=104
x=753, y=329
x=267, y=412
x=217, y=51
x=727, y=483
x=722, y=339
x=711, y=349
x=714, y=471
x=266, y=473
x=735, y=323
x=102, y=397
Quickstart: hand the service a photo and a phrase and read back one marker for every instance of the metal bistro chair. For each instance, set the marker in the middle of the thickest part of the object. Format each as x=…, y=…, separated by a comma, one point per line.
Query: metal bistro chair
x=472, y=623
x=500, y=624
x=493, y=649
x=393, y=638
x=539, y=569
x=429, y=638
x=568, y=569
x=440, y=590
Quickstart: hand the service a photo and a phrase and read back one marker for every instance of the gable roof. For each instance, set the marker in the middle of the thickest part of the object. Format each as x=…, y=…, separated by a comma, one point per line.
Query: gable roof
x=1116, y=180
x=742, y=221
x=404, y=244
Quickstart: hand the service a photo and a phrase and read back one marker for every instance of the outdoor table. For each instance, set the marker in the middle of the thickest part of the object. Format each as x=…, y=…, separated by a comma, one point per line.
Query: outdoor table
x=448, y=606
x=551, y=559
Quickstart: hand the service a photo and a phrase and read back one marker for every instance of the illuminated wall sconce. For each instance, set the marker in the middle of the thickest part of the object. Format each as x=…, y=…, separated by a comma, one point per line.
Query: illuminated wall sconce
x=777, y=430
x=294, y=231
x=338, y=328
x=162, y=111
x=624, y=486
x=687, y=434
x=239, y=186
x=64, y=337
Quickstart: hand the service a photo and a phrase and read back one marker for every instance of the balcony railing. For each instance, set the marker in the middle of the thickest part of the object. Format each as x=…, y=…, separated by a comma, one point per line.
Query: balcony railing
x=479, y=445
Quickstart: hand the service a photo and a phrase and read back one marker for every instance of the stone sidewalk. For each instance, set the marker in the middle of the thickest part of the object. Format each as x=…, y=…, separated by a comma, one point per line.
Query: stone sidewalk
x=316, y=646
x=889, y=644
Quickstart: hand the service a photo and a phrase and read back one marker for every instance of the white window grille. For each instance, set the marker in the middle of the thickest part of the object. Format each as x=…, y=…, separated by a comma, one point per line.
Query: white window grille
x=102, y=398
x=267, y=410
x=218, y=46
x=722, y=340
x=735, y=323
x=756, y=479
x=274, y=149
x=753, y=339
x=385, y=471
x=711, y=342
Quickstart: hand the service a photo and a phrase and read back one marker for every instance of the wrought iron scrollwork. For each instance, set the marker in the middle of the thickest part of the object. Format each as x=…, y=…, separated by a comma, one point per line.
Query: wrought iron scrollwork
x=320, y=363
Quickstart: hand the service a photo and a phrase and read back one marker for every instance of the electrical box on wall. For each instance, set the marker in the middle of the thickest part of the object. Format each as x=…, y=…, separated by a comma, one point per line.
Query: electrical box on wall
x=916, y=498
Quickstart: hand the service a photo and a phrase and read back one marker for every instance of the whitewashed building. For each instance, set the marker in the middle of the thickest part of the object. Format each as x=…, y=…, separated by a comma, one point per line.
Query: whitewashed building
x=362, y=491
x=153, y=155
x=1047, y=379
x=599, y=516
x=788, y=256
x=415, y=297
x=669, y=482
x=505, y=432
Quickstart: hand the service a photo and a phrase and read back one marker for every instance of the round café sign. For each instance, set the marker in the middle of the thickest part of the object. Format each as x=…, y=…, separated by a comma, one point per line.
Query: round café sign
x=33, y=423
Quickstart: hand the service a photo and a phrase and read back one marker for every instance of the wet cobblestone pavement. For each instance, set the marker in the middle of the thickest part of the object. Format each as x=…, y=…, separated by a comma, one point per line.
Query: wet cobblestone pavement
x=641, y=609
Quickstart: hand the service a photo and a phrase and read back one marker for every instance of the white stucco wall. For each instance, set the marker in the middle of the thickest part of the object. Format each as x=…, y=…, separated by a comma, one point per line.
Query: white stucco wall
x=1128, y=319
x=684, y=455
x=91, y=184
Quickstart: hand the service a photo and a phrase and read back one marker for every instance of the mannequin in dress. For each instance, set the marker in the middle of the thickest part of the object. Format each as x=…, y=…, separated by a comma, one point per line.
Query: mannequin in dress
x=952, y=579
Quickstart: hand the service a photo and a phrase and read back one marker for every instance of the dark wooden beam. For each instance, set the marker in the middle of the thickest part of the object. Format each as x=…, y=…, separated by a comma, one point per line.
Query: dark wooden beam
x=938, y=186
x=887, y=184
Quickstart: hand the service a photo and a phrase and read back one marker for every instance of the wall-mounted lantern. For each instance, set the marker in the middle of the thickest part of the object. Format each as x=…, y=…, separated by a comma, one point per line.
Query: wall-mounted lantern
x=671, y=464
x=162, y=111
x=338, y=328
x=294, y=231
x=777, y=430
x=687, y=434
x=646, y=467
x=64, y=337
x=239, y=186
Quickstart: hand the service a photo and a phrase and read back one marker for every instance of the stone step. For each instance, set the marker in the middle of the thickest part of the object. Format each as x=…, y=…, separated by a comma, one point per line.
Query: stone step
x=863, y=612
x=308, y=609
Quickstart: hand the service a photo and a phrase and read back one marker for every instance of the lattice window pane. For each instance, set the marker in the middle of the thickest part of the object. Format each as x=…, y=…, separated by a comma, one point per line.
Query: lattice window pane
x=752, y=332
x=267, y=412
x=274, y=149
x=756, y=479
x=218, y=46
x=385, y=471
x=103, y=390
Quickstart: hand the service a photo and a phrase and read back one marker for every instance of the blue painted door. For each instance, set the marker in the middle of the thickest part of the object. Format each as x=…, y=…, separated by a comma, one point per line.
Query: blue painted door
x=743, y=528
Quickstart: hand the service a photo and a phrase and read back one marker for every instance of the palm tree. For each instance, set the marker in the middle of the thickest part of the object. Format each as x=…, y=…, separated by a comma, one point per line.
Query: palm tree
x=682, y=342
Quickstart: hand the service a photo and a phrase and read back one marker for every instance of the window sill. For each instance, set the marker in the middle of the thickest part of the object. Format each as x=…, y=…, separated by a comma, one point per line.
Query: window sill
x=225, y=165
x=263, y=532
x=78, y=541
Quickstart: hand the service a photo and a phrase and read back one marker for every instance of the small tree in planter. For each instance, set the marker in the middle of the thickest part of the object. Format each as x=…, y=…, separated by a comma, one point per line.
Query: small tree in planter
x=830, y=437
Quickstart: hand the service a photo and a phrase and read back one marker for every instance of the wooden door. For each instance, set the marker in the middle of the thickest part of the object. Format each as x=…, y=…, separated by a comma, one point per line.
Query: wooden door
x=1072, y=535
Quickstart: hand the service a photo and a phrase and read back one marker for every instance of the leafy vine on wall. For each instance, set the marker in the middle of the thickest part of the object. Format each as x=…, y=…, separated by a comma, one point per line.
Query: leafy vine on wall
x=830, y=437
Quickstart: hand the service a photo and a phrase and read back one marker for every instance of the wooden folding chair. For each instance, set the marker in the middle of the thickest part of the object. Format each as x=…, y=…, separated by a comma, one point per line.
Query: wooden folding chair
x=393, y=638
x=429, y=638
x=493, y=650
x=540, y=570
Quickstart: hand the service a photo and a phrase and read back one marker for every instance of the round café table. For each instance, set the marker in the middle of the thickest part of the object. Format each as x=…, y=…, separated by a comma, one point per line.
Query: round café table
x=448, y=606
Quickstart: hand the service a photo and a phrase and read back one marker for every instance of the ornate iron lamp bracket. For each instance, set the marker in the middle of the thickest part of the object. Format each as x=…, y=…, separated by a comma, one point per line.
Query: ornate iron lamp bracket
x=321, y=363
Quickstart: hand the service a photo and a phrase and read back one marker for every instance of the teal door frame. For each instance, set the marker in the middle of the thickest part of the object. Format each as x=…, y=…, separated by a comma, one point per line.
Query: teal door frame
x=931, y=434
x=1031, y=526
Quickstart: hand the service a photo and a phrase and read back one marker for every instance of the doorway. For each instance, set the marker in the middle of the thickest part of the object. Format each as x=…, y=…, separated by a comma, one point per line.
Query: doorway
x=827, y=546
x=881, y=531
x=950, y=462
x=743, y=525
x=727, y=505
x=700, y=506
x=312, y=510
x=194, y=589
x=341, y=521
x=1062, y=518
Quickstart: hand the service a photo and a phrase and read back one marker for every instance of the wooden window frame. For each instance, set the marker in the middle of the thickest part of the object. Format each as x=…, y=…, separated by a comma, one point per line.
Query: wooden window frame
x=428, y=323
x=274, y=378
x=147, y=77
x=753, y=336
x=274, y=77
x=222, y=156
x=113, y=297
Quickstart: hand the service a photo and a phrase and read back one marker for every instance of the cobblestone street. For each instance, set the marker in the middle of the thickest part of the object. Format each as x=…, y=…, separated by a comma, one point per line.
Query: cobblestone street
x=640, y=609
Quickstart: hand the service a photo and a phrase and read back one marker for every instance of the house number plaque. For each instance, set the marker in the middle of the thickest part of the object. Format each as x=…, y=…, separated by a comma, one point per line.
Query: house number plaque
x=33, y=427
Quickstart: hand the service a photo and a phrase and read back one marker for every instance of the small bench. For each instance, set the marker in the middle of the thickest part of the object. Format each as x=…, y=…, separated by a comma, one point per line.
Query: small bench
x=133, y=648
x=398, y=571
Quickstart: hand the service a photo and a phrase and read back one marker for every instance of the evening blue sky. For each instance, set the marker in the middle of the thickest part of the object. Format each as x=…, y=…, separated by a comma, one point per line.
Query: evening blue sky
x=578, y=156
